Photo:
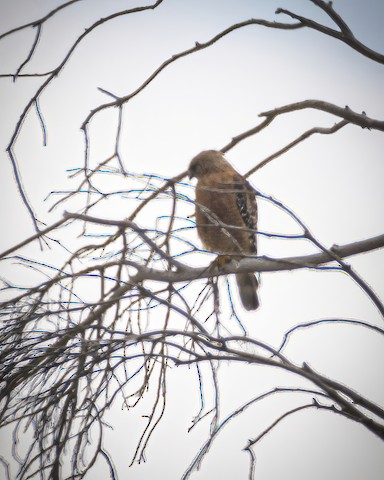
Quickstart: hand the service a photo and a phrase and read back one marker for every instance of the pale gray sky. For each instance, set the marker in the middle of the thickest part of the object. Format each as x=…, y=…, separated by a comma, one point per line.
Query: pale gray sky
x=333, y=183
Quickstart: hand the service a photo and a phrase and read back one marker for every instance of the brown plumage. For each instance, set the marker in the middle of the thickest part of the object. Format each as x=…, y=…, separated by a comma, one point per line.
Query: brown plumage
x=224, y=199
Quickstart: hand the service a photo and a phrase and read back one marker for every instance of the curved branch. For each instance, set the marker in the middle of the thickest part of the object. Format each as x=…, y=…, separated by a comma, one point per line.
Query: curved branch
x=322, y=321
x=198, y=46
x=260, y=264
x=238, y=411
x=41, y=89
x=356, y=398
x=270, y=117
x=252, y=442
x=40, y=21
x=360, y=119
x=185, y=273
x=349, y=401
x=345, y=35
x=249, y=133
x=322, y=130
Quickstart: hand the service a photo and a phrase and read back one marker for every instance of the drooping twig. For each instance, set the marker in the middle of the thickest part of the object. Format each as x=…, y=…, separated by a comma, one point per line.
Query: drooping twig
x=237, y=412
x=332, y=321
x=41, y=89
x=31, y=52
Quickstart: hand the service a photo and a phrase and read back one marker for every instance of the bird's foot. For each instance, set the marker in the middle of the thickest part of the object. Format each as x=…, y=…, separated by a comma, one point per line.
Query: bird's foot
x=220, y=261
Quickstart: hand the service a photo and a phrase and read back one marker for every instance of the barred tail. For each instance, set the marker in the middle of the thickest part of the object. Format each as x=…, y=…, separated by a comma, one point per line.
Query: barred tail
x=247, y=285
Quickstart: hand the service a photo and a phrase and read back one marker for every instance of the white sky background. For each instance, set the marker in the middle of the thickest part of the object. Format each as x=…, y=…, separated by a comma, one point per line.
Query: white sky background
x=333, y=183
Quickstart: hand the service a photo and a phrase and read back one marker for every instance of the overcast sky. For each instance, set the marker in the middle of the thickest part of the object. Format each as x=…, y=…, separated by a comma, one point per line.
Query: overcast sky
x=333, y=183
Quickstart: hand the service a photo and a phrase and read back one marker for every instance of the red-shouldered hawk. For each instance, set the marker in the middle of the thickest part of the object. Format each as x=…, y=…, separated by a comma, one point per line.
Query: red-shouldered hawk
x=224, y=199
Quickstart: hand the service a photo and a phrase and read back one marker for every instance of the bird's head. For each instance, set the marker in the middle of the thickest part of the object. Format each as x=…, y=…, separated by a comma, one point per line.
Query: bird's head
x=208, y=161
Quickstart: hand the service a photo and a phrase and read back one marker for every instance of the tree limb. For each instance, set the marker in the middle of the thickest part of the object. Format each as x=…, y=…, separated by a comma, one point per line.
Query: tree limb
x=260, y=264
x=360, y=119
x=345, y=35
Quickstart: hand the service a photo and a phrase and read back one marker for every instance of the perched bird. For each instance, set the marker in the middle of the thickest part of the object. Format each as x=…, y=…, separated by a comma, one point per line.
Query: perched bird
x=224, y=199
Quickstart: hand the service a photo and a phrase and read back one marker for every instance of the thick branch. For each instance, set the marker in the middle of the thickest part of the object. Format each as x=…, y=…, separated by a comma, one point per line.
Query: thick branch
x=260, y=264
x=184, y=273
x=328, y=9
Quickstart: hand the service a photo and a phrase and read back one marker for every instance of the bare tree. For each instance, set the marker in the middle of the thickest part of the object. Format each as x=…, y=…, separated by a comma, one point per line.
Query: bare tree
x=140, y=296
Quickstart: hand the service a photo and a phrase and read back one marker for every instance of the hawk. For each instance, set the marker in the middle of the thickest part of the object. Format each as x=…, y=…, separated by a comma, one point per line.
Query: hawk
x=226, y=215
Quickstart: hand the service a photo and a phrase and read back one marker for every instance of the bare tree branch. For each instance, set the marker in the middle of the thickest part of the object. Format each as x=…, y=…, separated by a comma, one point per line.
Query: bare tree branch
x=262, y=264
x=41, y=89
x=345, y=35
x=324, y=131
x=278, y=390
x=40, y=21
x=249, y=133
x=360, y=119
x=69, y=352
x=185, y=273
x=253, y=442
x=332, y=321
x=198, y=46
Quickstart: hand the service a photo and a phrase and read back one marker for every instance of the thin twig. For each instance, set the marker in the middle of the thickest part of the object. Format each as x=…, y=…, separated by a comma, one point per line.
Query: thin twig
x=301, y=138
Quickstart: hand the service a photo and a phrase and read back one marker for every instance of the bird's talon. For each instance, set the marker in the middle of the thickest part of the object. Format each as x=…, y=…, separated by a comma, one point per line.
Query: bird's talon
x=220, y=261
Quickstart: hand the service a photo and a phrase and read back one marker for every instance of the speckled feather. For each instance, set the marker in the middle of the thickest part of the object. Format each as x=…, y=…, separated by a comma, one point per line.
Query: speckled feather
x=246, y=201
x=223, y=200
